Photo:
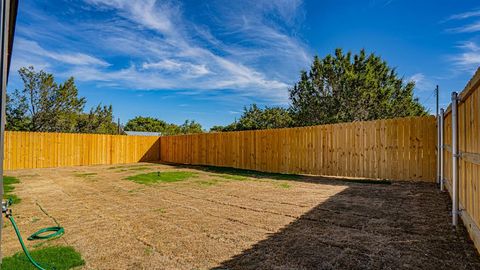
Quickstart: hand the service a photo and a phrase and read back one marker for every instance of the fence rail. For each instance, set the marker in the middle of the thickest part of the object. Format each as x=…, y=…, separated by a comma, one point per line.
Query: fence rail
x=399, y=149
x=24, y=150
x=468, y=134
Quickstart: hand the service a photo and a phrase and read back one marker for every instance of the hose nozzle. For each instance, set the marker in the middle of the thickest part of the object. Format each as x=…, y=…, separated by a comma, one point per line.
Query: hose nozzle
x=5, y=207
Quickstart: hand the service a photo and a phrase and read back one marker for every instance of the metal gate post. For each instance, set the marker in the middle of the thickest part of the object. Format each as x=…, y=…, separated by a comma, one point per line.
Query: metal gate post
x=442, y=122
x=438, y=148
x=454, y=159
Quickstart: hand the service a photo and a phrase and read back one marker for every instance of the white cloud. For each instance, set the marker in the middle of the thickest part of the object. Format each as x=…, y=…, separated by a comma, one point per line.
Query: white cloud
x=149, y=13
x=198, y=70
x=469, y=58
x=212, y=70
x=465, y=15
x=417, y=77
x=469, y=28
x=422, y=83
x=32, y=48
x=186, y=69
x=251, y=48
x=469, y=45
x=466, y=28
x=164, y=64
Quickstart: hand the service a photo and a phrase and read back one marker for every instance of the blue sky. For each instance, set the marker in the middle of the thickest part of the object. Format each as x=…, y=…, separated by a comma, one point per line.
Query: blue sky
x=205, y=60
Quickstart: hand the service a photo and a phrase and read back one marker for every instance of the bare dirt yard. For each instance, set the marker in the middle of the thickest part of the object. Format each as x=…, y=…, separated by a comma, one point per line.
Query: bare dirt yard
x=226, y=219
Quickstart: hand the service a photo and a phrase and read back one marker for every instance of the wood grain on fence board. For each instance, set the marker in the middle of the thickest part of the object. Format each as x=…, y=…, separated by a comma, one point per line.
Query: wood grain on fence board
x=399, y=149
x=26, y=150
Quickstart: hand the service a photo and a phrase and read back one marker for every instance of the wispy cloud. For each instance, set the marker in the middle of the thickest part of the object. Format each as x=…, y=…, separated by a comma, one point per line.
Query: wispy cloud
x=31, y=47
x=469, y=28
x=422, y=82
x=468, y=25
x=248, y=48
x=464, y=15
x=469, y=57
x=188, y=69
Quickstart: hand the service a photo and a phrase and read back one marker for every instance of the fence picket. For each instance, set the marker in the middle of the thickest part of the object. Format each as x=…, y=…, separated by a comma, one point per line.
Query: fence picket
x=25, y=150
x=400, y=149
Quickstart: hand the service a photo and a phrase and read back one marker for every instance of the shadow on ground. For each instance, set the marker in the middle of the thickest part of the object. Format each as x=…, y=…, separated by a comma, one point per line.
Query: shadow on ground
x=277, y=176
x=398, y=226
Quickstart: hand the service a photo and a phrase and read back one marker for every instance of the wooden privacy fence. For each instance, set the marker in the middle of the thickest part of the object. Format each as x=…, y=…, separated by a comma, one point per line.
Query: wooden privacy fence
x=399, y=149
x=468, y=139
x=25, y=150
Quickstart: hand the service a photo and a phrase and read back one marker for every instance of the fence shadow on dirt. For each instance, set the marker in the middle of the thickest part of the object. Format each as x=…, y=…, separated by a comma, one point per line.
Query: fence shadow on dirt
x=366, y=226
x=331, y=180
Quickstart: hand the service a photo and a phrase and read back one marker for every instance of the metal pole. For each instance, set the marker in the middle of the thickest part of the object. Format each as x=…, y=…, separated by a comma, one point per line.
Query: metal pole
x=454, y=160
x=442, y=122
x=438, y=137
x=438, y=148
x=5, y=11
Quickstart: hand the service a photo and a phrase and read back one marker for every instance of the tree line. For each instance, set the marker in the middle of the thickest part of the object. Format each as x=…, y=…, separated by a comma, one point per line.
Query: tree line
x=338, y=88
x=43, y=105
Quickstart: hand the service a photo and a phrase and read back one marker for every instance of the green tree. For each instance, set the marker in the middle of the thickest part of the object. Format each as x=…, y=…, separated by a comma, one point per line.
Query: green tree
x=172, y=129
x=269, y=117
x=51, y=106
x=98, y=120
x=217, y=128
x=44, y=105
x=189, y=127
x=149, y=124
x=16, y=114
x=341, y=89
x=254, y=117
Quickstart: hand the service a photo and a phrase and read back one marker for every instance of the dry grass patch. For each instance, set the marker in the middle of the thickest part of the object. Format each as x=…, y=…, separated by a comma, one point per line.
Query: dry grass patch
x=85, y=175
x=187, y=217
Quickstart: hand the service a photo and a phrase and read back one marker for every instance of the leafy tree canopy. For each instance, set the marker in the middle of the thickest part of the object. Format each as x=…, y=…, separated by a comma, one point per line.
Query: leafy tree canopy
x=338, y=88
x=45, y=105
x=254, y=117
x=151, y=124
x=346, y=88
x=98, y=120
x=189, y=127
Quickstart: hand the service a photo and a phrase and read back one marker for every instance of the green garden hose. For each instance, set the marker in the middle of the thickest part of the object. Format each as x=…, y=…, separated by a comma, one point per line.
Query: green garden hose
x=57, y=231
